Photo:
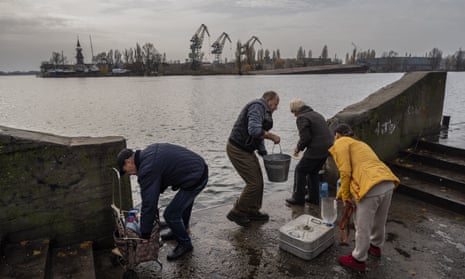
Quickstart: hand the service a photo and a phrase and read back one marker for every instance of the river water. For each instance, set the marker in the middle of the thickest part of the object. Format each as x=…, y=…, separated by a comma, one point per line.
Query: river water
x=194, y=111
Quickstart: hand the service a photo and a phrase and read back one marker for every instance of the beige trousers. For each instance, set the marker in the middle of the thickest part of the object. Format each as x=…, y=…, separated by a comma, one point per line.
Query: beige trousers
x=370, y=219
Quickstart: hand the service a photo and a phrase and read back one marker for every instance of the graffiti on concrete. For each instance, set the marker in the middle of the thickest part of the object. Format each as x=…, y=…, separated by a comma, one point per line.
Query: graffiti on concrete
x=412, y=110
x=387, y=127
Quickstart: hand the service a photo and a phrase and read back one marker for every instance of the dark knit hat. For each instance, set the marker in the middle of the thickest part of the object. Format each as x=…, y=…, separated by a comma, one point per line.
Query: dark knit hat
x=123, y=155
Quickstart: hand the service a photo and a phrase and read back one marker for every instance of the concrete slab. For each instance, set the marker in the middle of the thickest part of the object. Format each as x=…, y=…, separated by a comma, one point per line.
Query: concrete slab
x=423, y=241
x=27, y=259
x=75, y=262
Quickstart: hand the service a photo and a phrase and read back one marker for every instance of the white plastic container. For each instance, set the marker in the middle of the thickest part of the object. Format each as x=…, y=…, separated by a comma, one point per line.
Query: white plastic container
x=306, y=237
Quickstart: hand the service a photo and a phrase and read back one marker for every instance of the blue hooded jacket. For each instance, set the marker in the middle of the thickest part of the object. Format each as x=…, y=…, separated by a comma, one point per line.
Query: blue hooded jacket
x=162, y=165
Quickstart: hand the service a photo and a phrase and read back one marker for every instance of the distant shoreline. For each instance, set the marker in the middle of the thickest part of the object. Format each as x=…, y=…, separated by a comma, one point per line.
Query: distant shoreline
x=19, y=73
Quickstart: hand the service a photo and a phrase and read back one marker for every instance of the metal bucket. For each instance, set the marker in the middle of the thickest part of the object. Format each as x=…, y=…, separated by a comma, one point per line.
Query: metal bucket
x=277, y=166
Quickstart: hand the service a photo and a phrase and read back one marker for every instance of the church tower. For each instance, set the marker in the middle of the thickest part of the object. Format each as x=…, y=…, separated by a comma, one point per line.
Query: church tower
x=79, y=56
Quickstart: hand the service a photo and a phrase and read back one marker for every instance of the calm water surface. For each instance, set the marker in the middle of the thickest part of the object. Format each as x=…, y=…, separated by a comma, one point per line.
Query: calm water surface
x=196, y=112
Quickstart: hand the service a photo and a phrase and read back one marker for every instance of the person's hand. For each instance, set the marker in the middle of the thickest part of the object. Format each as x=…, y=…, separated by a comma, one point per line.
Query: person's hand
x=296, y=152
x=349, y=202
x=275, y=138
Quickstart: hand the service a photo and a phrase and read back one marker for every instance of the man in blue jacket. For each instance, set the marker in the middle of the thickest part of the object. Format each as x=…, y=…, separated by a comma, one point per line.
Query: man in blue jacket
x=247, y=136
x=157, y=167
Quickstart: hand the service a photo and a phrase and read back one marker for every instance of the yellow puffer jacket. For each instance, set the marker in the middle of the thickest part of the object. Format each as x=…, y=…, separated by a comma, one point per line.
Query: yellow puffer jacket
x=359, y=168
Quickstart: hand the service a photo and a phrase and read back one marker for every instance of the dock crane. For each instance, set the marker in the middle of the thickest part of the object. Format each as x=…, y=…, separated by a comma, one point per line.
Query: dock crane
x=196, y=54
x=248, y=50
x=218, y=46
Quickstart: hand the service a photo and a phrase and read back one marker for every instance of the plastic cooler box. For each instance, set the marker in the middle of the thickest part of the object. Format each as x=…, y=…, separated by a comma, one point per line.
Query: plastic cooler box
x=306, y=236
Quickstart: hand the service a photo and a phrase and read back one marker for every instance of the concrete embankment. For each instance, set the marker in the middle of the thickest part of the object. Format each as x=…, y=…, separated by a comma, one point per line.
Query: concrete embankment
x=57, y=187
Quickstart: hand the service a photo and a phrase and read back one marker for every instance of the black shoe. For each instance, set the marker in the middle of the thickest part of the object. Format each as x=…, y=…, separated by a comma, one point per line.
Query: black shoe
x=163, y=225
x=168, y=236
x=258, y=216
x=179, y=251
x=239, y=219
x=292, y=201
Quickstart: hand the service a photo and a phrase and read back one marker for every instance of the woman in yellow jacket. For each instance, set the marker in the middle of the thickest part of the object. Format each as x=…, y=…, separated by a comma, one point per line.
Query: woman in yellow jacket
x=366, y=180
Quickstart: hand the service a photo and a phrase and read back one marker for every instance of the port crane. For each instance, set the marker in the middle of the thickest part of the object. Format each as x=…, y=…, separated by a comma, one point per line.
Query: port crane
x=196, y=54
x=248, y=50
x=218, y=46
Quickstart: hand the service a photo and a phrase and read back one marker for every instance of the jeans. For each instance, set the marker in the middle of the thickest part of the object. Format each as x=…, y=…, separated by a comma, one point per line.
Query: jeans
x=306, y=174
x=178, y=212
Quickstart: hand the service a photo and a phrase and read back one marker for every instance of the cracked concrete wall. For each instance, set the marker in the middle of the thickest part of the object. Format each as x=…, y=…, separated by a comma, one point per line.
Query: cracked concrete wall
x=397, y=115
x=58, y=187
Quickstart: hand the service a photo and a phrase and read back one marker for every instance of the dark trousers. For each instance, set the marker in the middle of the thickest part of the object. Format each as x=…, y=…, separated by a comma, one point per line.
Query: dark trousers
x=306, y=174
x=178, y=212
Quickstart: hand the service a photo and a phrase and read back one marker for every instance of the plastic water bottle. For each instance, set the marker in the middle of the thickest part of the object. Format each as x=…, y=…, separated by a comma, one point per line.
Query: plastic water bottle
x=324, y=190
x=328, y=205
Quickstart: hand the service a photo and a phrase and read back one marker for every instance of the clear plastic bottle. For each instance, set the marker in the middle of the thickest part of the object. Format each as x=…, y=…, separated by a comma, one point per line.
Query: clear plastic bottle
x=328, y=205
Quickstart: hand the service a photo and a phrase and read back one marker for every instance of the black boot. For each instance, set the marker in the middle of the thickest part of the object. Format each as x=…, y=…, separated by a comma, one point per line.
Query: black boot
x=179, y=251
x=293, y=201
x=169, y=235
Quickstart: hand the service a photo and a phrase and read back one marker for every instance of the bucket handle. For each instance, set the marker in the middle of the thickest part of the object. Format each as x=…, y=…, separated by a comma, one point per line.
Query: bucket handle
x=280, y=150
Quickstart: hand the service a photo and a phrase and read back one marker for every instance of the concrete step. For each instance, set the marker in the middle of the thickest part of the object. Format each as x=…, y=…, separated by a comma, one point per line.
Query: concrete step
x=25, y=260
x=435, y=154
x=436, y=147
x=433, y=173
x=36, y=259
x=445, y=197
x=75, y=262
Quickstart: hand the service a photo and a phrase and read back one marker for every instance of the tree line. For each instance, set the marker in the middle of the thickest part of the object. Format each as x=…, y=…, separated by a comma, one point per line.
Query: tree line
x=146, y=59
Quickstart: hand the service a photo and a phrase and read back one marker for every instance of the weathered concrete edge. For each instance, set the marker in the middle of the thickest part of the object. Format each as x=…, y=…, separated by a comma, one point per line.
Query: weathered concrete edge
x=397, y=115
x=58, y=187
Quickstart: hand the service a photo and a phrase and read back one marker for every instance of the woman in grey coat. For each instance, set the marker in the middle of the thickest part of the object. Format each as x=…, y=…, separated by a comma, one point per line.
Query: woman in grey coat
x=314, y=138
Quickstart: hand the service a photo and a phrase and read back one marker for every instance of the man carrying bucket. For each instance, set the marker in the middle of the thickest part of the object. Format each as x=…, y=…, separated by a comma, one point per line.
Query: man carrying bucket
x=315, y=138
x=247, y=136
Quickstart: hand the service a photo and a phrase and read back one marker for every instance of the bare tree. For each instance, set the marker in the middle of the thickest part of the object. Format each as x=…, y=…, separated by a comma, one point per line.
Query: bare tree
x=151, y=58
x=118, y=58
x=110, y=57
x=56, y=58
x=459, y=60
x=267, y=57
x=324, y=52
x=101, y=58
x=435, y=56
x=238, y=55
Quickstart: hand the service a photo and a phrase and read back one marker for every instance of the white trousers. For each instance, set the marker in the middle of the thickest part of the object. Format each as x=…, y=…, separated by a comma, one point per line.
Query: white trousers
x=370, y=219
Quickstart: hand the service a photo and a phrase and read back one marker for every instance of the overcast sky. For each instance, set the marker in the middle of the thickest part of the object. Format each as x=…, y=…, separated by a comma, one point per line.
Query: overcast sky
x=30, y=30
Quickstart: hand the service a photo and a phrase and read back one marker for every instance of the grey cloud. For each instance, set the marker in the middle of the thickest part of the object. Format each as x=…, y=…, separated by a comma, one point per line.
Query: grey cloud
x=14, y=25
x=247, y=8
